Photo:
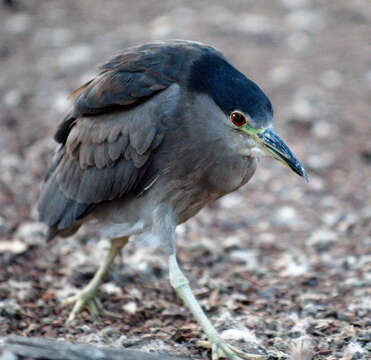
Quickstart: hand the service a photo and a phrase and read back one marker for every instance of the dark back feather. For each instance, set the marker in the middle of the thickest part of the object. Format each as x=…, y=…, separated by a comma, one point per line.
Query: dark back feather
x=114, y=129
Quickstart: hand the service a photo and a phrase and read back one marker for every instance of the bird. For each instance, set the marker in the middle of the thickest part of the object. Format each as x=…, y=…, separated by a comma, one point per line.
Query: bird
x=162, y=130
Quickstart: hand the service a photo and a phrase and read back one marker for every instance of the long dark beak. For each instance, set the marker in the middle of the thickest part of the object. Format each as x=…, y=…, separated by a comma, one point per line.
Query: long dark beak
x=280, y=151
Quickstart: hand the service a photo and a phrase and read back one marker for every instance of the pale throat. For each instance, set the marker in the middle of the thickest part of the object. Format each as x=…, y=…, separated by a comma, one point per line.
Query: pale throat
x=252, y=148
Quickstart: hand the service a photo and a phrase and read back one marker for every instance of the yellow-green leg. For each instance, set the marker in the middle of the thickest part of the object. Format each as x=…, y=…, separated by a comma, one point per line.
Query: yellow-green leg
x=219, y=348
x=87, y=297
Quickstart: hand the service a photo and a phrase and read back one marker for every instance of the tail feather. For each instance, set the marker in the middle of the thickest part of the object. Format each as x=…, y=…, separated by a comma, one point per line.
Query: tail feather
x=53, y=231
x=58, y=211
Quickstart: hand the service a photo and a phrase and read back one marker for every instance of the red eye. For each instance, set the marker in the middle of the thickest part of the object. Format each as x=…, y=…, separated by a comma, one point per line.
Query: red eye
x=238, y=119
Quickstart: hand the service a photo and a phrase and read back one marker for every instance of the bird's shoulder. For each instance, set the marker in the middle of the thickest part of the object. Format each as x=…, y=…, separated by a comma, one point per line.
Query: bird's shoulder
x=111, y=135
x=105, y=157
x=132, y=77
x=114, y=147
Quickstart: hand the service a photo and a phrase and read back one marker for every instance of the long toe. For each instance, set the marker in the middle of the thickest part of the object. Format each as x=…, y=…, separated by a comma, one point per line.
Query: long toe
x=85, y=300
x=102, y=311
x=221, y=349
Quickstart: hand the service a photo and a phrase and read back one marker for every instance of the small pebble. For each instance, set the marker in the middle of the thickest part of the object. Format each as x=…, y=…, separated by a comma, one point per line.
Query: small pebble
x=294, y=4
x=298, y=41
x=130, y=307
x=31, y=232
x=61, y=102
x=161, y=27
x=280, y=74
x=232, y=201
x=286, y=216
x=19, y=23
x=310, y=310
x=323, y=129
x=245, y=335
x=320, y=161
x=331, y=79
x=255, y=23
x=322, y=239
x=304, y=20
x=13, y=97
x=74, y=56
x=14, y=246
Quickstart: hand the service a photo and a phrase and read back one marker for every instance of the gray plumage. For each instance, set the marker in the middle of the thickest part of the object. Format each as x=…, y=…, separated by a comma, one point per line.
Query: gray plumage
x=161, y=131
x=138, y=122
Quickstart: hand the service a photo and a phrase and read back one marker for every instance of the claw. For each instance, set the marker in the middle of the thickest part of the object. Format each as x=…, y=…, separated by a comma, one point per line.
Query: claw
x=91, y=303
x=221, y=349
x=86, y=298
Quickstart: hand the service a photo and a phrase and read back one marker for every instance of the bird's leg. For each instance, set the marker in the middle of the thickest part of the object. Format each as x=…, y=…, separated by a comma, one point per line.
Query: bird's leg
x=86, y=298
x=219, y=347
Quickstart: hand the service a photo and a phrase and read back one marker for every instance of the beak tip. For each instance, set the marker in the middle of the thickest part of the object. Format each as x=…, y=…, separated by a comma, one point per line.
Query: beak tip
x=304, y=174
x=279, y=150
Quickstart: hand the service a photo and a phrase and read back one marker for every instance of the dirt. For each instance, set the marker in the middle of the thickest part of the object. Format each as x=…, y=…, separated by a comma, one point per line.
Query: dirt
x=286, y=264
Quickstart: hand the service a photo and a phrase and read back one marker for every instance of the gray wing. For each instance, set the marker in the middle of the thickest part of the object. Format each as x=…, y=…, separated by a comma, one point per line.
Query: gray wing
x=113, y=131
x=137, y=73
x=102, y=159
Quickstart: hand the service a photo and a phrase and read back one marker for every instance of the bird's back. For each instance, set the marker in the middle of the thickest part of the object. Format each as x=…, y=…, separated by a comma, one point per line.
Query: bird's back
x=110, y=137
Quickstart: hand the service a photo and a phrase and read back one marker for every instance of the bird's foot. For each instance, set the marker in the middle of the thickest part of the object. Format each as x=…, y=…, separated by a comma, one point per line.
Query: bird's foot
x=221, y=349
x=86, y=300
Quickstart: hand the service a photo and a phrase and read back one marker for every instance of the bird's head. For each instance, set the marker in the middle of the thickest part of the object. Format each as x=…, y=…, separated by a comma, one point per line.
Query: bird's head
x=265, y=142
x=247, y=108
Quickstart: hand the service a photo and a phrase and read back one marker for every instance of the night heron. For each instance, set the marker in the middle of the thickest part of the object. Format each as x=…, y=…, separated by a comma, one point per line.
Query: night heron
x=161, y=131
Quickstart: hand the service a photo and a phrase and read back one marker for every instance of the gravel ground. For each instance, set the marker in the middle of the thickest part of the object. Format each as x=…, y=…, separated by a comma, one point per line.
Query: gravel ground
x=286, y=265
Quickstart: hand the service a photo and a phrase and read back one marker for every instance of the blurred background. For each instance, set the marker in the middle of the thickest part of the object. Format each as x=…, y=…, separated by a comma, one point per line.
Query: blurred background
x=279, y=259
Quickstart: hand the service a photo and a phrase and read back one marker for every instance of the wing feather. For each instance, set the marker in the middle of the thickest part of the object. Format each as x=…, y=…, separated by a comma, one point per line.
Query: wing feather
x=113, y=131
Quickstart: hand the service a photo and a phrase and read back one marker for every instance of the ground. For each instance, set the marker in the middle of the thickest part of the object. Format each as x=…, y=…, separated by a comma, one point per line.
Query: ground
x=282, y=262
